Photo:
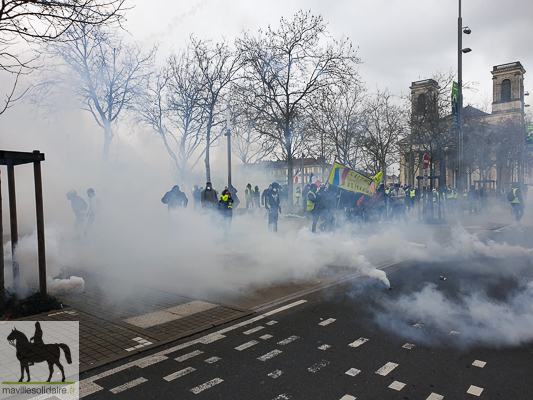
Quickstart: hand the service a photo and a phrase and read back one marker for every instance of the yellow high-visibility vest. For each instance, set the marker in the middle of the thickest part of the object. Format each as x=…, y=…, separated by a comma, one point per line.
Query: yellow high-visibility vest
x=311, y=204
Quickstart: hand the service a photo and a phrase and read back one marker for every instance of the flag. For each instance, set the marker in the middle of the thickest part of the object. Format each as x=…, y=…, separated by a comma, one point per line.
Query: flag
x=376, y=180
x=314, y=179
x=296, y=176
x=348, y=179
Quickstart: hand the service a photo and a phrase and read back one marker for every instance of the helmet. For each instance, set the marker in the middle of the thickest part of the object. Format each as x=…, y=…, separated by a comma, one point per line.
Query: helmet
x=275, y=185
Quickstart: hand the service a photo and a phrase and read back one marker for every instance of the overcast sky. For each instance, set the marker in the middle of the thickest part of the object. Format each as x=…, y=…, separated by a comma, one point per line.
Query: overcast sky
x=400, y=41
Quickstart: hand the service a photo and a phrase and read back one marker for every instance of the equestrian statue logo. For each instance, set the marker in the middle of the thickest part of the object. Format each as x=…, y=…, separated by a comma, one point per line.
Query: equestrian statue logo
x=35, y=351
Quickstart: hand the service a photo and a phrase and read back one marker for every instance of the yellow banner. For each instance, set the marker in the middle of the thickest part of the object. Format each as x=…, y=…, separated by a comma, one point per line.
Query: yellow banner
x=348, y=179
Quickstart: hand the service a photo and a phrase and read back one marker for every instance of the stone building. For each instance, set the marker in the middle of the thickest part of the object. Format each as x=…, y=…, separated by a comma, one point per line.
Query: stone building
x=494, y=146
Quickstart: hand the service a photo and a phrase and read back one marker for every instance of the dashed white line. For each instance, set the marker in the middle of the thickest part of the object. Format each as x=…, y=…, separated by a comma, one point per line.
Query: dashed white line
x=384, y=371
x=211, y=338
x=435, y=396
x=296, y=303
x=206, y=385
x=283, y=396
x=474, y=390
x=358, y=342
x=353, y=372
x=271, y=322
x=288, y=340
x=213, y=360
x=147, y=361
x=189, y=355
x=418, y=326
x=479, y=364
x=327, y=321
x=396, y=385
x=318, y=366
x=324, y=347
x=408, y=346
x=348, y=397
x=269, y=355
x=179, y=374
x=257, y=328
x=275, y=374
x=246, y=345
x=265, y=337
x=128, y=385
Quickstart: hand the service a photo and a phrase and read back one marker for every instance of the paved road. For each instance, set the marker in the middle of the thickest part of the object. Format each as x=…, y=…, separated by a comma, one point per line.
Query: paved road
x=355, y=341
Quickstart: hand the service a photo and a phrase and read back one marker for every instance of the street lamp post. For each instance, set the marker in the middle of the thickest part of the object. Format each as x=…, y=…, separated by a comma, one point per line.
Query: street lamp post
x=228, y=134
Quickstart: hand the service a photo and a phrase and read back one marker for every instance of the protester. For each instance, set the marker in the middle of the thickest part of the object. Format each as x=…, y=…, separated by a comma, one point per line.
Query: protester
x=175, y=198
x=313, y=206
x=78, y=207
x=397, y=196
x=273, y=206
x=248, y=195
x=95, y=206
x=197, y=196
x=257, y=197
x=208, y=197
x=225, y=208
x=514, y=196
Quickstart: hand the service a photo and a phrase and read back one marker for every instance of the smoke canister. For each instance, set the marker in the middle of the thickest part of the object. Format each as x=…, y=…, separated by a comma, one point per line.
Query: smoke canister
x=442, y=278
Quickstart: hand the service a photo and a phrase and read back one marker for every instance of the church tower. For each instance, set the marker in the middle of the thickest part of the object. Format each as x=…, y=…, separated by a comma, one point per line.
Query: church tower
x=508, y=88
x=423, y=96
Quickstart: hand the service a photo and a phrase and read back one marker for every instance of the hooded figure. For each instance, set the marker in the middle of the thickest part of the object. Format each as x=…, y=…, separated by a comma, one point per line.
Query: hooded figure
x=175, y=198
x=272, y=204
x=78, y=207
x=248, y=195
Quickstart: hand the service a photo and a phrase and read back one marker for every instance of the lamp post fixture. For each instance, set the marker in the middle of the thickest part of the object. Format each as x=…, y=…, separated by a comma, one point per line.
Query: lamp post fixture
x=228, y=134
x=460, y=150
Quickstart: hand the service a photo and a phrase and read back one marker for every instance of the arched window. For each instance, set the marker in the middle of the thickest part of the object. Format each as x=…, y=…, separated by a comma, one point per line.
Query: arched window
x=506, y=90
x=421, y=102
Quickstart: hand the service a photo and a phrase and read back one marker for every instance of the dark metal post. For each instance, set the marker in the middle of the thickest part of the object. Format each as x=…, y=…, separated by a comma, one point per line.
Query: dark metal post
x=2, y=281
x=40, y=224
x=228, y=128
x=304, y=200
x=460, y=150
x=13, y=223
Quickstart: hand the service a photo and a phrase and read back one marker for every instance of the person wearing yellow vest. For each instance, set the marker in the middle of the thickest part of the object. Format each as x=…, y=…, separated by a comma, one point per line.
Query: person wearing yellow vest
x=272, y=204
x=257, y=197
x=514, y=196
x=248, y=195
x=297, y=196
x=225, y=207
x=312, y=206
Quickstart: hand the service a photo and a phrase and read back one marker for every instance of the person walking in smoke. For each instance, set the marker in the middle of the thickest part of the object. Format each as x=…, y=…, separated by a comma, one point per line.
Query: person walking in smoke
x=196, y=197
x=313, y=206
x=95, y=206
x=78, y=207
x=297, y=196
x=397, y=196
x=225, y=207
x=175, y=198
x=208, y=197
x=257, y=197
x=248, y=195
x=272, y=204
x=514, y=196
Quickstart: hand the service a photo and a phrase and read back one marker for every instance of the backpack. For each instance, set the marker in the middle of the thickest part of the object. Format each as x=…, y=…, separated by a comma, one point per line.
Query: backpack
x=510, y=195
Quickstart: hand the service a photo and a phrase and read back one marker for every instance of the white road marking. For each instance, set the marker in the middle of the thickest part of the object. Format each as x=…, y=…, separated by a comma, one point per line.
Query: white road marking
x=179, y=374
x=318, y=366
x=275, y=374
x=408, y=346
x=271, y=322
x=147, y=361
x=474, y=390
x=283, y=396
x=352, y=371
x=288, y=340
x=327, y=322
x=418, y=325
x=384, y=371
x=206, y=385
x=435, y=396
x=454, y=333
x=246, y=345
x=324, y=347
x=257, y=328
x=269, y=355
x=128, y=385
x=189, y=355
x=211, y=338
x=479, y=364
x=358, y=342
x=213, y=360
x=348, y=397
x=265, y=337
x=88, y=387
x=296, y=303
x=396, y=385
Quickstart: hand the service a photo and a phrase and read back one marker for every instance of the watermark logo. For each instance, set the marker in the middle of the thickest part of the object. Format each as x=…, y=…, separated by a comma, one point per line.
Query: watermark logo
x=39, y=358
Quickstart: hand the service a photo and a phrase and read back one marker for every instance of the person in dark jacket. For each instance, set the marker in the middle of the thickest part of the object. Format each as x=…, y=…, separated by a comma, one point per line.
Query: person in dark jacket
x=225, y=208
x=313, y=206
x=257, y=197
x=78, y=207
x=249, y=196
x=273, y=206
x=175, y=198
x=516, y=200
x=197, y=197
x=265, y=193
x=208, y=197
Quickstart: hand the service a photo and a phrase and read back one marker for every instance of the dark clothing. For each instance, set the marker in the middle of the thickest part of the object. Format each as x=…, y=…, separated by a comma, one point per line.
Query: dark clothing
x=208, y=198
x=225, y=207
x=264, y=195
x=196, y=196
x=175, y=198
x=518, y=209
x=272, y=204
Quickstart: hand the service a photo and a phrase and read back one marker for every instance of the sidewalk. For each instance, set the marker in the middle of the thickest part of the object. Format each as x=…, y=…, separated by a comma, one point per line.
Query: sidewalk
x=118, y=320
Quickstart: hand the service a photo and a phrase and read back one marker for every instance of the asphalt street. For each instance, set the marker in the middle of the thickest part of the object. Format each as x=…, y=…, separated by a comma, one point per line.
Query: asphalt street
x=355, y=341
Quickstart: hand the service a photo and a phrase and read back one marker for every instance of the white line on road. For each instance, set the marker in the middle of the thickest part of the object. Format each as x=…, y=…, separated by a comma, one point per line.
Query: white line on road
x=384, y=371
x=147, y=361
x=271, y=322
x=283, y=396
x=408, y=346
x=257, y=328
x=265, y=337
x=288, y=340
x=269, y=355
x=324, y=347
x=358, y=342
x=396, y=385
x=246, y=345
x=352, y=371
x=211, y=338
x=277, y=310
x=189, y=355
x=275, y=374
x=435, y=396
x=327, y=322
x=474, y=390
x=479, y=364
x=318, y=366
x=128, y=385
x=348, y=397
x=213, y=360
x=179, y=374
x=206, y=385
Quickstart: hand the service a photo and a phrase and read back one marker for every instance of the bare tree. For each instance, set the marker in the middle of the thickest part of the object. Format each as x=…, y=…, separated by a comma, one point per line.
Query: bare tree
x=101, y=71
x=247, y=144
x=284, y=69
x=384, y=126
x=37, y=21
x=218, y=66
